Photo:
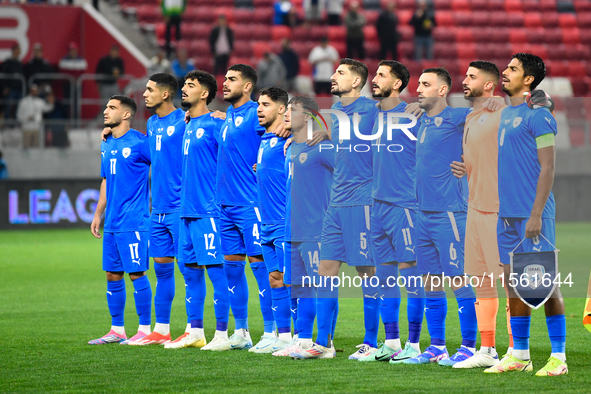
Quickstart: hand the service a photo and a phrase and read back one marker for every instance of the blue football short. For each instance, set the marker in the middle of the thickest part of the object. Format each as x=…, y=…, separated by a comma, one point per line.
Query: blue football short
x=440, y=243
x=393, y=233
x=272, y=246
x=240, y=230
x=302, y=260
x=164, y=234
x=346, y=235
x=126, y=252
x=510, y=232
x=199, y=241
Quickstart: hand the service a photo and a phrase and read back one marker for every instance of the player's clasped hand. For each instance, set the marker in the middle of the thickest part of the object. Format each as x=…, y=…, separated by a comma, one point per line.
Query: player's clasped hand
x=458, y=168
x=533, y=227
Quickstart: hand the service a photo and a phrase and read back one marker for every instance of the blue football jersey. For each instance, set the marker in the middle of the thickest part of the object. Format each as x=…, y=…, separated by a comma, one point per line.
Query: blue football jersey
x=394, y=169
x=439, y=143
x=125, y=164
x=309, y=178
x=271, y=179
x=200, y=151
x=519, y=167
x=166, y=139
x=239, y=144
x=353, y=173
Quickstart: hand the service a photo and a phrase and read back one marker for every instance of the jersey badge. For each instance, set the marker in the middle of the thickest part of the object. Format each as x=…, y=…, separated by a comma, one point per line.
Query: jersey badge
x=482, y=119
x=517, y=122
x=438, y=121
x=303, y=157
x=273, y=142
x=200, y=132
x=170, y=130
x=238, y=121
x=126, y=152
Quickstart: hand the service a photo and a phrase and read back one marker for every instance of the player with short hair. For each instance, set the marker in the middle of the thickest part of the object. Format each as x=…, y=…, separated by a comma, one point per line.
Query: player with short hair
x=308, y=171
x=125, y=168
x=394, y=214
x=199, y=243
x=526, y=162
x=271, y=182
x=441, y=220
x=346, y=230
x=236, y=194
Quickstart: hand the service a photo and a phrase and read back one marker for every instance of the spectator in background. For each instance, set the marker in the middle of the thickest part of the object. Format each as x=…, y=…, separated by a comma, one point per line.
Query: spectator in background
x=55, y=126
x=312, y=11
x=221, y=43
x=323, y=58
x=110, y=67
x=271, y=71
x=386, y=27
x=423, y=21
x=12, y=89
x=355, y=37
x=180, y=67
x=172, y=11
x=73, y=63
x=159, y=64
x=3, y=167
x=281, y=9
x=30, y=115
x=291, y=62
x=37, y=65
x=334, y=10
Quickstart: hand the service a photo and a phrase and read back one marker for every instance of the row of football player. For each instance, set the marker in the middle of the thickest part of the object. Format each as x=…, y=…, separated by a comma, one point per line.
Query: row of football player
x=363, y=199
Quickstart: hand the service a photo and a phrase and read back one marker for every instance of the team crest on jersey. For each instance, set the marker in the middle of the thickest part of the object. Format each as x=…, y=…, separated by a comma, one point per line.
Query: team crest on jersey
x=113, y=152
x=303, y=157
x=517, y=122
x=170, y=130
x=238, y=121
x=438, y=121
x=273, y=142
x=200, y=132
x=126, y=152
x=482, y=119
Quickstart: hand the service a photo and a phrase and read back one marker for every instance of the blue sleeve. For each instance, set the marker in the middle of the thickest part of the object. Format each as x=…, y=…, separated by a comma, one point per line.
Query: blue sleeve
x=327, y=160
x=542, y=122
x=217, y=132
x=146, y=156
x=103, y=151
x=459, y=115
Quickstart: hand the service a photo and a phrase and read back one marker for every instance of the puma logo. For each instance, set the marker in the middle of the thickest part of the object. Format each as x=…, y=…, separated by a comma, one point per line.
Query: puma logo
x=262, y=293
x=375, y=296
x=231, y=290
x=274, y=308
x=212, y=254
x=257, y=243
x=109, y=293
x=538, y=248
x=188, y=299
x=411, y=249
x=365, y=254
x=416, y=292
x=293, y=310
x=460, y=310
x=136, y=261
x=457, y=265
x=382, y=297
x=215, y=302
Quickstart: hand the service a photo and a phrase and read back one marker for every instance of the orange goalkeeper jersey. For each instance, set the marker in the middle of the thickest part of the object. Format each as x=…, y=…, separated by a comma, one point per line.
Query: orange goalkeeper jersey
x=481, y=158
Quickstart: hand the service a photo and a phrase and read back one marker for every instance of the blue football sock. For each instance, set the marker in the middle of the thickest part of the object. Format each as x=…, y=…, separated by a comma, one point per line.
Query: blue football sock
x=415, y=307
x=520, y=329
x=182, y=269
x=221, y=295
x=116, y=296
x=557, y=332
x=371, y=313
x=334, y=320
x=259, y=270
x=306, y=310
x=238, y=289
x=165, y=288
x=196, y=292
x=143, y=300
x=436, y=313
x=390, y=299
x=325, y=307
x=466, y=298
x=281, y=310
x=293, y=307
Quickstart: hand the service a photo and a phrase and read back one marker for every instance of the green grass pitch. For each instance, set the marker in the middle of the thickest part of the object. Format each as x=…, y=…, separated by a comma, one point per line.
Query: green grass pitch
x=52, y=302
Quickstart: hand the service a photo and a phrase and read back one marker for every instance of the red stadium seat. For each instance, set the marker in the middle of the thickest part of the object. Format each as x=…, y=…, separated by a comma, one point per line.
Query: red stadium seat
x=464, y=35
x=551, y=19
x=441, y=5
x=337, y=33
x=341, y=48
x=479, y=5
x=567, y=21
x=259, y=32
x=497, y=19
x=571, y=36
x=553, y=36
x=578, y=52
x=199, y=48
x=582, y=6
x=548, y=6
x=584, y=19
x=370, y=33
x=242, y=48
x=444, y=34
x=466, y=52
x=453, y=66
x=540, y=50
x=404, y=17
x=445, y=18
x=462, y=19
x=301, y=33
x=513, y=6
x=305, y=67
x=407, y=32
x=558, y=52
x=406, y=5
x=444, y=51
x=586, y=36
x=280, y=32
x=244, y=15
x=263, y=15
x=556, y=68
x=493, y=51
x=515, y=19
x=480, y=19
x=498, y=35
x=577, y=69
x=532, y=19
x=518, y=36
x=371, y=17
x=406, y=50
x=496, y=6
x=372, y=50
x=317, y=32
x=259, y=48
x=461, y=5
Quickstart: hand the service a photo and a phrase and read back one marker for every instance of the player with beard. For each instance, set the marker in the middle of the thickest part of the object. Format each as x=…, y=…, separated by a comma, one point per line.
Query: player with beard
x=394, y=213
x=200, y=214
x=346, y=230
x=441, y=219
x=236, y=194
x=125, y=168
x=527, y=153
